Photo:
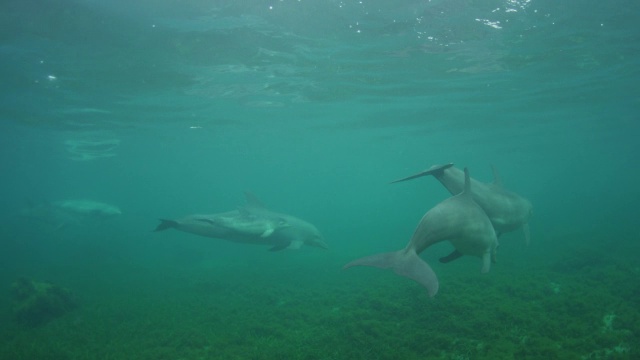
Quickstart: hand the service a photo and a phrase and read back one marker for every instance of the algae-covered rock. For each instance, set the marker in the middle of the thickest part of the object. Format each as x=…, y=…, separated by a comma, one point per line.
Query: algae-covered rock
x=35, y=303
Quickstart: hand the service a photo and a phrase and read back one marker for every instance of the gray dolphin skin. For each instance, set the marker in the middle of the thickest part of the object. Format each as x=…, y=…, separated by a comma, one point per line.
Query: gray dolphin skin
x=458, y=219
x=252, y=224
x=71, y=211
x=245, y=222
x=507, y=210
x=89, y=208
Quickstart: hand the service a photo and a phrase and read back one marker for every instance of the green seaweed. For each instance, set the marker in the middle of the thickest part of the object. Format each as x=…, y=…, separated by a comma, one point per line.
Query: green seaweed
x=517, y=313
x=35, y=303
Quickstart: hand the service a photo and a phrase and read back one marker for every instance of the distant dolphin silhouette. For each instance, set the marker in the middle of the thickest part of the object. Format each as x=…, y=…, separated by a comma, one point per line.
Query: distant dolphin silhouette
x=458, y=219
x=507, y=210
x=59, y=214
x=251, y=224
x=89, y=208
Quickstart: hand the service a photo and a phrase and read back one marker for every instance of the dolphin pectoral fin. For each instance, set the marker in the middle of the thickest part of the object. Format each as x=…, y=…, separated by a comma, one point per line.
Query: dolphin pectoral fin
x=431, y=171
x=166, y=224
x=279, y=247
x=527, y=233
x=404, y=263
x=455, y=254
x=267, y=232
x=295, y=244
x=486, y=262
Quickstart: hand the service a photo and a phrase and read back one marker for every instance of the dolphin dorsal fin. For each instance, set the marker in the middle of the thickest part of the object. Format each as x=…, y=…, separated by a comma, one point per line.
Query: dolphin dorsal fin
x=467, y=182
x=244, y=211
x=253, y=201
x=496, y=177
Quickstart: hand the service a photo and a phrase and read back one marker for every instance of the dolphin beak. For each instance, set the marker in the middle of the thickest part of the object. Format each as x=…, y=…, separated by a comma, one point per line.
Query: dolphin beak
x=319, y=242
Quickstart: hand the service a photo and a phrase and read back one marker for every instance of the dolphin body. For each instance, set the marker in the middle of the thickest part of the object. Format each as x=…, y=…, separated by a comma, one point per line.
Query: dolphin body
x=458, y=219
x=251, y=224
x=88, y=208
x=507, y=210
x=245, y=222
x=71, y=211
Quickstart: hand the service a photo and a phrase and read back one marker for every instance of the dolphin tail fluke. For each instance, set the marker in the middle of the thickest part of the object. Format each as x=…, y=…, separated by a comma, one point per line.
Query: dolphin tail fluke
x=434, y=170
x=405, y=263
x=166, y=224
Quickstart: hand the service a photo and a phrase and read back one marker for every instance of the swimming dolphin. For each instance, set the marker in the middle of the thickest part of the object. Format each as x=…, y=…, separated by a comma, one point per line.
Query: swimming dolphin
x=245, y=222
x=507, y=210
x=458, y=219
x=88, y=208
x=71, y=211
x=252, y=224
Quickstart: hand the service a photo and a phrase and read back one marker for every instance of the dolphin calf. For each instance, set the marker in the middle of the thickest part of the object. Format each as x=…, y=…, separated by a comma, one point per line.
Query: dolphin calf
x=251, y=224
x=458, y=219
x=507, y=210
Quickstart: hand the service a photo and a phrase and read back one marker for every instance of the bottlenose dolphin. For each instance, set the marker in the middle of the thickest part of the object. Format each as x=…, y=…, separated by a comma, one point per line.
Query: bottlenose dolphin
x=89, y=208
x=64, y=212
x=458, y=219
x=245, y=222
x=507, y=210
x=251, y=224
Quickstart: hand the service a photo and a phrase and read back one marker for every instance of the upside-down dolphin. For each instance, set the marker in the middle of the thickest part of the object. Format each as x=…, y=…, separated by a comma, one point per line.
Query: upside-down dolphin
x=458, y=219
x=507, y=210
x=251, y=224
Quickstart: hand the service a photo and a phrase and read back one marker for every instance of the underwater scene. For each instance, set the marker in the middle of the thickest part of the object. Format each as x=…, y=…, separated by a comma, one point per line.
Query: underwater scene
x=319, y=180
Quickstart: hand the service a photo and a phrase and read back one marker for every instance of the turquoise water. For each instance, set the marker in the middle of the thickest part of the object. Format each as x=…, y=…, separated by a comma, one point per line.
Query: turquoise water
x=168, y=108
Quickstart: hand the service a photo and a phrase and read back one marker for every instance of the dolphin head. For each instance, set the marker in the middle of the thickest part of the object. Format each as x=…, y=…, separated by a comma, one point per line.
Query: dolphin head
x=111, y=211
x=282, y=223
x=316, y=240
